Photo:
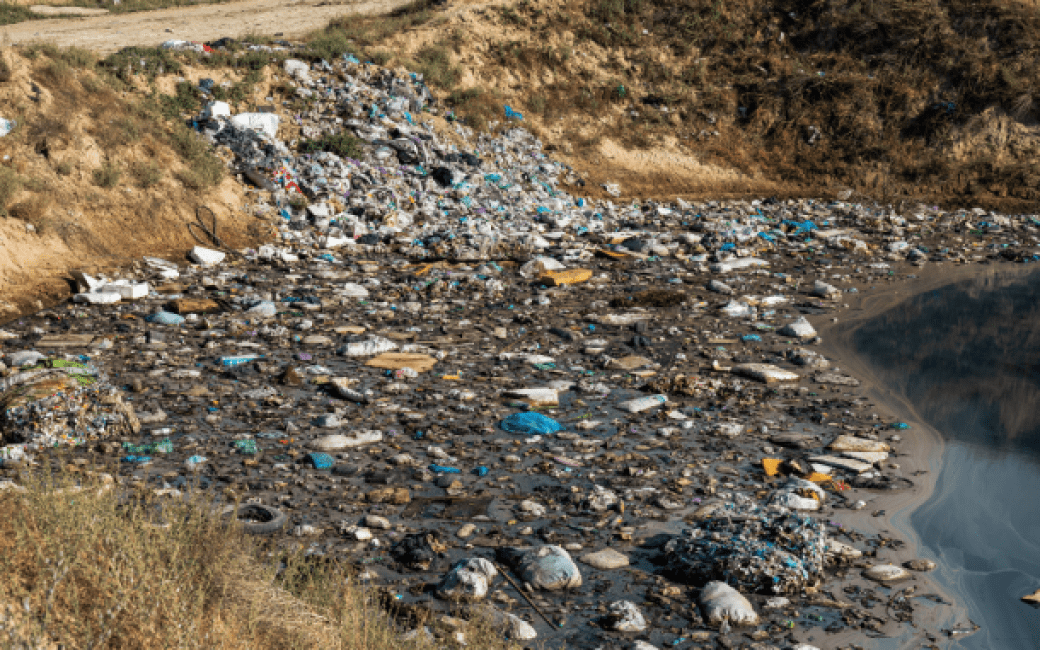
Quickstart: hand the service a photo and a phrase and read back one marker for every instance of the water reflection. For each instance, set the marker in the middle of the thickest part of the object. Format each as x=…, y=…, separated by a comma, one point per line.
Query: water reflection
x=968, y=358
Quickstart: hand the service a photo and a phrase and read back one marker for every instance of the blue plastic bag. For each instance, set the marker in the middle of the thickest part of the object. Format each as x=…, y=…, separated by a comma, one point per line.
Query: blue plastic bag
x=511, y=114
x=321, y=461
x=441, y=469
x=530, y=422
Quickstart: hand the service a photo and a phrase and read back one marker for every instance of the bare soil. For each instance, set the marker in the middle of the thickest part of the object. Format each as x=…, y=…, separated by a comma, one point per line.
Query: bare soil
x=92, y=179
x=109, y=33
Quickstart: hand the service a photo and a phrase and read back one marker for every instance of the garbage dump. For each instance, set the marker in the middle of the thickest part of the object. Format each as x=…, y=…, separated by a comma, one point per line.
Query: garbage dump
x=750, y=548
x=446, y=359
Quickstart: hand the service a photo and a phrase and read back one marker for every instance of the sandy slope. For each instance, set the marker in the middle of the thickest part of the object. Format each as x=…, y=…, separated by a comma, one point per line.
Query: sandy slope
x=109, y=33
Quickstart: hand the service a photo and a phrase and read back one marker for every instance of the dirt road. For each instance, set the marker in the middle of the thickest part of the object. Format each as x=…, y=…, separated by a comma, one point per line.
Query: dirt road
x=106, y=34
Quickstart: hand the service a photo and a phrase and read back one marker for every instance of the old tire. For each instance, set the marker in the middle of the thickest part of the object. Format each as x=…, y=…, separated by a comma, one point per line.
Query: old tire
x=257, y=519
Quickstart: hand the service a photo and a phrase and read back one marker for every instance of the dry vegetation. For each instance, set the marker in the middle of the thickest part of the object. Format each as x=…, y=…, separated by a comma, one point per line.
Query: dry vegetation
x=102, y=167
x=933, y=100
x=89, y=565
x=17, y=12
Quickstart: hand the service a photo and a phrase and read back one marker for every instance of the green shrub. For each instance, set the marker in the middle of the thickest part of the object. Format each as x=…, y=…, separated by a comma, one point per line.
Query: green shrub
x=342, y=144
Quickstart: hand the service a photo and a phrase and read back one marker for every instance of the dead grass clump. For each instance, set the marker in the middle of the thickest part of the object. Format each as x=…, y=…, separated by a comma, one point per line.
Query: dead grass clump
x=352, y=34
x=34, y=210
x=95, y=566
x=147, y=174
x=203, y=168
x=108, y=175
x=436, y=67
x=147, y=62
x=9, y=186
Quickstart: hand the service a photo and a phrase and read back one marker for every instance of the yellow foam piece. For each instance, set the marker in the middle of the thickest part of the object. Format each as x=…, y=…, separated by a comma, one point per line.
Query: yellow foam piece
x=771, y=466
x=570, y=276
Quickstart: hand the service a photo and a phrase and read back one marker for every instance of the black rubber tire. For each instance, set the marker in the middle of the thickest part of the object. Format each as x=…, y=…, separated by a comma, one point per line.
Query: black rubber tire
x=268, y=520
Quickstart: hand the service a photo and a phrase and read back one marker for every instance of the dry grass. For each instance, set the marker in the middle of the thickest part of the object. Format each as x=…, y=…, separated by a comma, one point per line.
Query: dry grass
x=355, y=34
x=890, y=87
x=95, y=566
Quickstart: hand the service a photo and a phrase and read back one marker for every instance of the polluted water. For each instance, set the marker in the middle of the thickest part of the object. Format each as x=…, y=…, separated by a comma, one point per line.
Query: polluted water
x=967, y=358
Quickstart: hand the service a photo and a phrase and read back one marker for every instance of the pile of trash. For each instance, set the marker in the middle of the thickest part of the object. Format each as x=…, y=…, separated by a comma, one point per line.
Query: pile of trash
x=750, y=548
x=55, y=402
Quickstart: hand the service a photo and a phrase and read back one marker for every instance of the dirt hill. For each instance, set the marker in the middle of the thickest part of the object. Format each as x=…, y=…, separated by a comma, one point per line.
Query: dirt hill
x=897, y=101
x=95, y=174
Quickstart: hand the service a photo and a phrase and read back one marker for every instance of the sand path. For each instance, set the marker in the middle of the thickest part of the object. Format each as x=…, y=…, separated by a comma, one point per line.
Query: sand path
x=109, y=33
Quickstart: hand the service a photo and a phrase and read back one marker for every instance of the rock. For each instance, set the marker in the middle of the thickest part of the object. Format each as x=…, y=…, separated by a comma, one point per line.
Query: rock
x=328, y=421
x=375, y=521
x=765, y=373
x=852, y=443
x=395, y=496
x=823, y=290
x=793, y=440
x=835, y=379
x=339, y=442
x=606, y=559
x=886, y=573
x=801, y=329
x=842, y=550
x=466, y=530
x=719, y=287
x=920, y=565
x=509, y=625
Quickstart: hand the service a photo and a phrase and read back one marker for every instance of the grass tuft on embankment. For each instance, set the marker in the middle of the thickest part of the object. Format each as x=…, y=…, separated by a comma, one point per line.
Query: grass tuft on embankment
x=87, y=566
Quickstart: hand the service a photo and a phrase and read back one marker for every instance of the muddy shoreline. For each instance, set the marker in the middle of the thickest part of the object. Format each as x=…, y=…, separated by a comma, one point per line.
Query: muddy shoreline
x=923, y=446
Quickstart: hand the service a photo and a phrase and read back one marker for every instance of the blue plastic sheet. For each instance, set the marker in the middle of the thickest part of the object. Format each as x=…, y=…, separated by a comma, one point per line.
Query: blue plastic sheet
x=799, y=228
x=529, y=423
x=441, y=469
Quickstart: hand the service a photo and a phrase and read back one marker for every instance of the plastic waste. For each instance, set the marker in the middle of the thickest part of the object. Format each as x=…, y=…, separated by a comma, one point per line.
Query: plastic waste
x=641, y=404
x=722, y=603
x=467, y=580
x=530, y=423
